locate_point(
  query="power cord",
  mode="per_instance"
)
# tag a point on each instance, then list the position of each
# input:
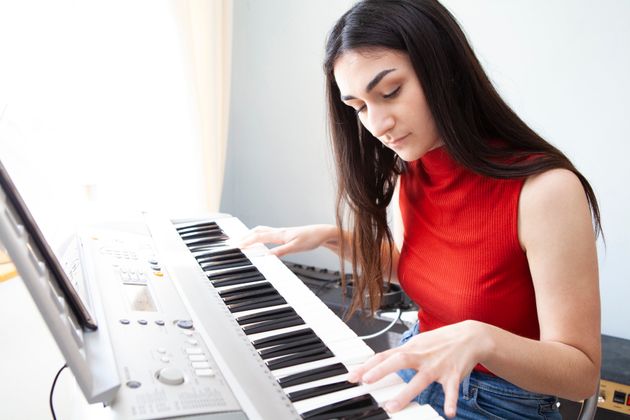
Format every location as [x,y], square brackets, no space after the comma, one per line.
[387,328]
[52,390]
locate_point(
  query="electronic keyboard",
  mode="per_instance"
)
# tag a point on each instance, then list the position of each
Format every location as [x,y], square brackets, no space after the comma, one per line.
[286,354]
[201,329]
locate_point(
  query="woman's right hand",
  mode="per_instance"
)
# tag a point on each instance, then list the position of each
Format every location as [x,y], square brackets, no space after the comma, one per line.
[291,239]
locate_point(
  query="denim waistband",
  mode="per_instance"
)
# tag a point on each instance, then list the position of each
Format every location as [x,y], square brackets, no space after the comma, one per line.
[497,385]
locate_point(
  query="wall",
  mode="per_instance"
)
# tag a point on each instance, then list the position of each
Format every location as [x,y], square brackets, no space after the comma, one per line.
[562,65]
[279,167]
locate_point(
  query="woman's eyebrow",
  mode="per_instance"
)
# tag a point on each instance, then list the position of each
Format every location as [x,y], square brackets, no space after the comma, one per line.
[371,85]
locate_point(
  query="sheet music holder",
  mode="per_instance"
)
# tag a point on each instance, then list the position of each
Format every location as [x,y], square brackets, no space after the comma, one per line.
[41,247]
[84,344]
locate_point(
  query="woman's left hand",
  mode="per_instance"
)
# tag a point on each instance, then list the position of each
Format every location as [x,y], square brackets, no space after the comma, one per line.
[445,355]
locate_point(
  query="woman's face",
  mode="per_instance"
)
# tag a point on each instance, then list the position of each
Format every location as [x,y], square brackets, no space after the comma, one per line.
[382,87]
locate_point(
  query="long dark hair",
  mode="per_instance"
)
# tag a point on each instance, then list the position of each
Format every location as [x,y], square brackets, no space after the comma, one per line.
[469,115]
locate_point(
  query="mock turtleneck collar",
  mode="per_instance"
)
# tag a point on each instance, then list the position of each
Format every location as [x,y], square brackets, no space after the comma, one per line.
[438,160]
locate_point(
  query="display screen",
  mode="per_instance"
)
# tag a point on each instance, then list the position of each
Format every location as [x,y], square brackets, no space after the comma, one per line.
[139,298]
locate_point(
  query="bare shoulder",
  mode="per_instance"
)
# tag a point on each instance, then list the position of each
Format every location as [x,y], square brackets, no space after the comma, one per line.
[553,185]
[552,202]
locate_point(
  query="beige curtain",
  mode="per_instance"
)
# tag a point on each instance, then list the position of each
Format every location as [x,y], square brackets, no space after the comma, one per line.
[207,33]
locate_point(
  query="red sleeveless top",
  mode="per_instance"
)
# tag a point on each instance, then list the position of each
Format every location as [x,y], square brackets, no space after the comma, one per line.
[461,258]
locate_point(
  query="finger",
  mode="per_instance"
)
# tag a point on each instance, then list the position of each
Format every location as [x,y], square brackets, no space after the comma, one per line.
[244,241]
[417,384]
[451,394]
[251,236]
[252,233]
[392,363]
[283,250]
[271,236]
[357,373]
[247,240]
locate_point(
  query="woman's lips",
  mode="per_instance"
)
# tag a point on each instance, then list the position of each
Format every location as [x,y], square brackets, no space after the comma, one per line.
[397,142]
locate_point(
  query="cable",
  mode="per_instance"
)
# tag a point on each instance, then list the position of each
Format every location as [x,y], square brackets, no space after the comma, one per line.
[384,330]
[52,390]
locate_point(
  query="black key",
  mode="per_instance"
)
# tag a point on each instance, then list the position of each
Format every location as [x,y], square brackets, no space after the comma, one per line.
[312,375]
[319,390]
[236,271]
[236,297]
[250,296]
[222,254]
[288,348]
[238,280]
[244,271]
[223,258]
[283,338]
[211,265]
[198,226]
[247,288]
[213,252]
[257,303]
[319,353]
[209,256]
[223,265]
[205,241]
[200,234]
[264,315]
[219,244]
[275,324]
[351,407]
[204,247]
[198,237]
[372,414]
[294,350]
[183,228]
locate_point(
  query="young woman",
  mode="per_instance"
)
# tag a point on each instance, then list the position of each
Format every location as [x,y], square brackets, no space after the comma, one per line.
[496,227]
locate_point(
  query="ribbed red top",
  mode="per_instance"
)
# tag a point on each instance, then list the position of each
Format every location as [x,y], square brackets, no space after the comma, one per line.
[461,258]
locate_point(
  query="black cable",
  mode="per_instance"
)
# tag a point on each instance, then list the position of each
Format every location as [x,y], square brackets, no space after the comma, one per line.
[52,390]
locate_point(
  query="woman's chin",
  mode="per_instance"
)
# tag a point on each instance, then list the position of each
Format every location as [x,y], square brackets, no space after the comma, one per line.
[407,156]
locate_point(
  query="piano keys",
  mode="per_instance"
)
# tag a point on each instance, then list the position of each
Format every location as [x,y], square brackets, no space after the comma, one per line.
[305,347]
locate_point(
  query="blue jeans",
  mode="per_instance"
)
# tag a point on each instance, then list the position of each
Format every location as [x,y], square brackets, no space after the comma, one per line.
[483,396]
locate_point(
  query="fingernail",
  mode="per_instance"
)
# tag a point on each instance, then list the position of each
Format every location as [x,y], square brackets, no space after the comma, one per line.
[352,377]
[392,406]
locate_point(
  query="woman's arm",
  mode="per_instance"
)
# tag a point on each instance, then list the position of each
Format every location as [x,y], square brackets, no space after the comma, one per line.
[557,235]
[306,238]
[293,239]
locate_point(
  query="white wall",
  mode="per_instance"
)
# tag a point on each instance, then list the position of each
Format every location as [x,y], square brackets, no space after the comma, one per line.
[562,65]
[279,170]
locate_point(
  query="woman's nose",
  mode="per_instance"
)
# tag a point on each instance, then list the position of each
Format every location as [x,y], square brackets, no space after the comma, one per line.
[380,122]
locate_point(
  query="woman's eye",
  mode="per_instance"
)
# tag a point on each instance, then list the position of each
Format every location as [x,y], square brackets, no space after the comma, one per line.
[392,94]
[359,110]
